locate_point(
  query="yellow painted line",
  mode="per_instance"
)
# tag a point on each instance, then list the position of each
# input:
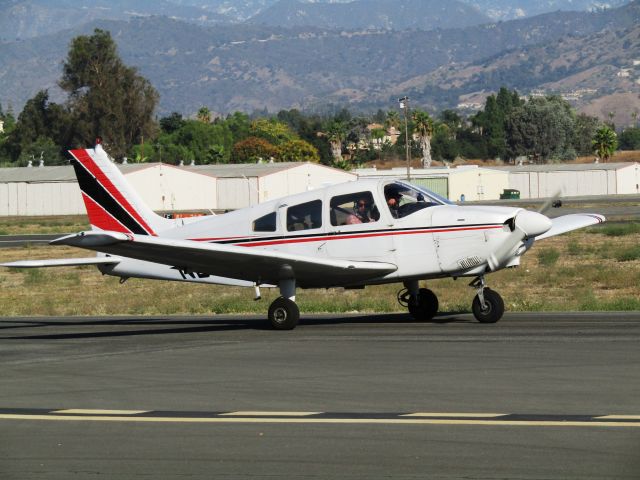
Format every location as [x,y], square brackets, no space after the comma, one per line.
[619,417]
[268,414]
[463,415]
[360,421]
[86,411]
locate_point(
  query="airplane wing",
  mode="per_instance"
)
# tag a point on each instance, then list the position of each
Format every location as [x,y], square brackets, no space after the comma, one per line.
[62,262]
[566,223]
[243,263]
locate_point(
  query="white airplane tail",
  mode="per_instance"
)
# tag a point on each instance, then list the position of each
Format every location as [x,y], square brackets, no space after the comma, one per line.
[110,201]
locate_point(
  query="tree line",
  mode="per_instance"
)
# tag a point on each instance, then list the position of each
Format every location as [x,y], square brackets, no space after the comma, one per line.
[107,99]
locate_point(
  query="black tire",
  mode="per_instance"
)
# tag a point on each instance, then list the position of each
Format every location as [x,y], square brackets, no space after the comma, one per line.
[494,307]
[427,305]
[284,314]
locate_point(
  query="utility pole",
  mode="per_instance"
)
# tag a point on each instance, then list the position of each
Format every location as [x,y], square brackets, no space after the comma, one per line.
[404,105]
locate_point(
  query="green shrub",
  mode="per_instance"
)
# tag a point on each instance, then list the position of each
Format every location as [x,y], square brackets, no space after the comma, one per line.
[548,256]
[628,254]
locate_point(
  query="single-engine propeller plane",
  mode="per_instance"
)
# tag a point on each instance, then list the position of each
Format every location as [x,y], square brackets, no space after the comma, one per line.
[349,235]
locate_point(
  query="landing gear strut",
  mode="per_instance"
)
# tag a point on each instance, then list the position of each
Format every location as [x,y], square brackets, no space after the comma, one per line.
[421,302]
[283,312]
[487,306]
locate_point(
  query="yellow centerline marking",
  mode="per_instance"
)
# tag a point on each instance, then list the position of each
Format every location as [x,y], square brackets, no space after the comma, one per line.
[463,415]
[87,411]
[360,421]
[619,417]
[268,414]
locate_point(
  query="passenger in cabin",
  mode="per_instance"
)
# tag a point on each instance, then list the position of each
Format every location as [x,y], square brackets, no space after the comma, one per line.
[362,212]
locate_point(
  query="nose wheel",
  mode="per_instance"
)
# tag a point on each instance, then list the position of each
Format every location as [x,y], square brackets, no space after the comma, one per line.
[487,306]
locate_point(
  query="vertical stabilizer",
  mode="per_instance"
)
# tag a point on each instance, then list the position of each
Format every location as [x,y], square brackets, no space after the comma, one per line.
[110,201]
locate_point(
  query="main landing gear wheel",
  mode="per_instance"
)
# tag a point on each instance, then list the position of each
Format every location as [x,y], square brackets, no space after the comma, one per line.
[426,306]
[284,314]
[493,308]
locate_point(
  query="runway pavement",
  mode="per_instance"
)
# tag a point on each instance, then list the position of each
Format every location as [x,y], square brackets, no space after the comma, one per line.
[342,396]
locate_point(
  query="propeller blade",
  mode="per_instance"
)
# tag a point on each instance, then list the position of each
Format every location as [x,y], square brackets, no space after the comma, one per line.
[526,224]
[550,201]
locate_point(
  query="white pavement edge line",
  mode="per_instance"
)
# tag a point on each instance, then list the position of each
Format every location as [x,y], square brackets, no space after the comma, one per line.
[361,421]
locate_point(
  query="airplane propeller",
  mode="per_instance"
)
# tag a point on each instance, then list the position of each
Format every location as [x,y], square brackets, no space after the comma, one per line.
[526,224]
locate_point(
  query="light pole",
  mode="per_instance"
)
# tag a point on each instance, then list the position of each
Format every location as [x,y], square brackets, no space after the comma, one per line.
[404,105]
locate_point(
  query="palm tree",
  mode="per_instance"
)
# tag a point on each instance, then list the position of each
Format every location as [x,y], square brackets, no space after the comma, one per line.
[605,143]
[336,133]
[204,115]
[423,126]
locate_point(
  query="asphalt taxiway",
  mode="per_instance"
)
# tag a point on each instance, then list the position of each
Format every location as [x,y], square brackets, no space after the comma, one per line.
[342,396]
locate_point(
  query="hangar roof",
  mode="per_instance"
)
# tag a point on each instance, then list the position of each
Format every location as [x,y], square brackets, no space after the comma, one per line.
[65,173]
[572,167]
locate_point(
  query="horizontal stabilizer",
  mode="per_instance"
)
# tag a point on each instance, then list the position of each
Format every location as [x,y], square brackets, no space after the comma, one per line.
[62,262]
[231,261]
[566,223]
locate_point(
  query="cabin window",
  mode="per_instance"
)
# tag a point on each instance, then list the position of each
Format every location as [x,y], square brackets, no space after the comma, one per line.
[266,223]
[304,216]
[353,209]
[404,199]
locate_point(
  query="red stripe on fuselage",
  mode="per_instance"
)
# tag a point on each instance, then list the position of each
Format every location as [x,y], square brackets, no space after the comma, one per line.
[328,237]
[100,218]
[359,235]
[85,159]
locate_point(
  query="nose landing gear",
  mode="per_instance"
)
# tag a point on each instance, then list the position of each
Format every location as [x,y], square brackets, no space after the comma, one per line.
[487,306]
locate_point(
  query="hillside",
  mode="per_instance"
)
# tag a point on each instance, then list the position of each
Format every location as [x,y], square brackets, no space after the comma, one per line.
[249,67]
[21,19]
[582,67]
[372,14]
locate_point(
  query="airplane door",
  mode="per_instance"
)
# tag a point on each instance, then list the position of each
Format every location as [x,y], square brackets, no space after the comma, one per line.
[357,230]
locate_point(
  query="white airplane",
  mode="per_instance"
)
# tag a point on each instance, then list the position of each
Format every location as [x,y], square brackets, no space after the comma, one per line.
[349,235]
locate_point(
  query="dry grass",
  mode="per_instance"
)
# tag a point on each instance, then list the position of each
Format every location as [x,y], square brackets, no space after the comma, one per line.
[590,273]
[43,225]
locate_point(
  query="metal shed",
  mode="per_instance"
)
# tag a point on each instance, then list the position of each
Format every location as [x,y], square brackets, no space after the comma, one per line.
[468,182]
[540,181]
[54,190]
[242,185]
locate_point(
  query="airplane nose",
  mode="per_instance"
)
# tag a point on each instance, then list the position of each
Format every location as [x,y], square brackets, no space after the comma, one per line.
[532,223]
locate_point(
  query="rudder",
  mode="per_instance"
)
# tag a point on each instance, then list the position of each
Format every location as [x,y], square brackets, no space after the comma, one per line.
[110,201]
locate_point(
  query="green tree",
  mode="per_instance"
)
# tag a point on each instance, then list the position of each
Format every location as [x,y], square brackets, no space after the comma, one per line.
[273,131]
[172,123]
[41,122]
[585,130]
[630,139]
[252,149]
[297,151]
[423,127]
[605,143]
[542,128]
[201,142]
[106,98]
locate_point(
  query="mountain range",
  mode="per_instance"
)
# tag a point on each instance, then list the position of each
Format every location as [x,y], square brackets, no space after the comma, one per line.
[250,67]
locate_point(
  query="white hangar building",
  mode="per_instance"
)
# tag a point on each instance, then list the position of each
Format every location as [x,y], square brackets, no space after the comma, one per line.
[541,181]
[54,190]
[467,182]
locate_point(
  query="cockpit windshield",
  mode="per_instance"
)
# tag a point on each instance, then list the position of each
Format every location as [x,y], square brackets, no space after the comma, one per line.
[403,198]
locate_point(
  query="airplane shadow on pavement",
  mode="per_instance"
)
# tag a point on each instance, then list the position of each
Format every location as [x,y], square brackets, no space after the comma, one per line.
[103,327]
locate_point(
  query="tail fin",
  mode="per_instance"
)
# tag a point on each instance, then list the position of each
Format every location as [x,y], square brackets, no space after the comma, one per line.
[110,201]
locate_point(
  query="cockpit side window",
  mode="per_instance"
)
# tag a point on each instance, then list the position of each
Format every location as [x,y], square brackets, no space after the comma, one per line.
[353,208]
[404,199]
[267,223]
[304,216]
